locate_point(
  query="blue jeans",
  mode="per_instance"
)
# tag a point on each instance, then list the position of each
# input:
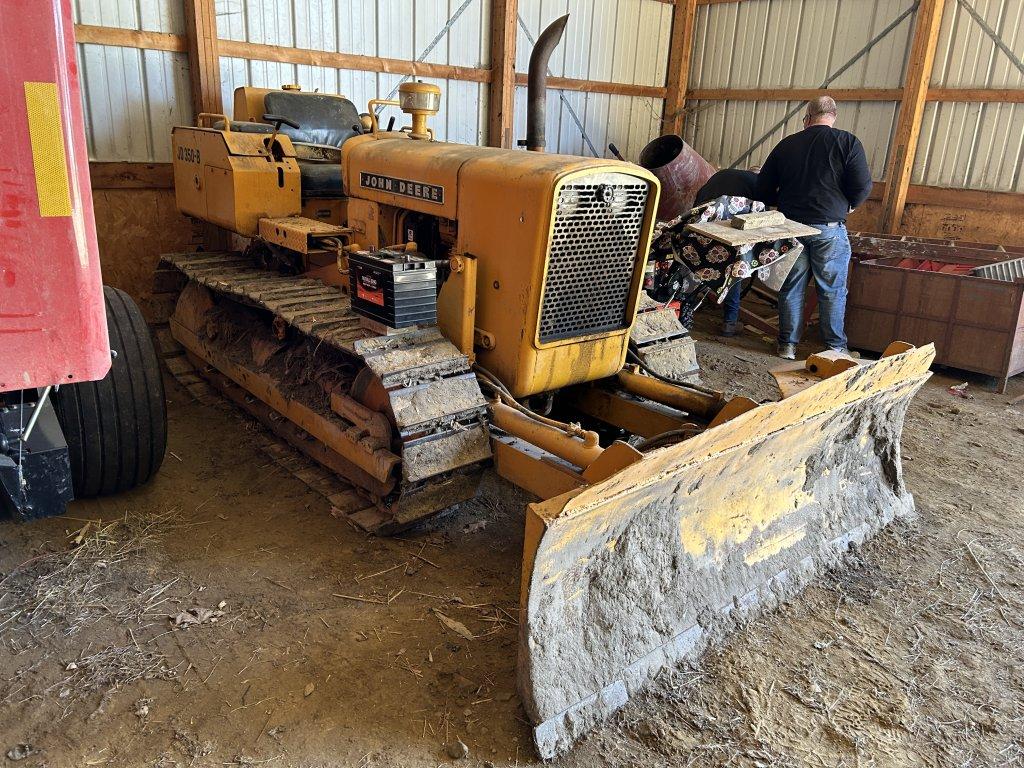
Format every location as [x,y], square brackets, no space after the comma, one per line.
[731,304]
[826,256]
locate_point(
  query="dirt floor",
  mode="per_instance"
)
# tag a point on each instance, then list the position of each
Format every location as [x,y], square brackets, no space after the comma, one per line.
[222,616]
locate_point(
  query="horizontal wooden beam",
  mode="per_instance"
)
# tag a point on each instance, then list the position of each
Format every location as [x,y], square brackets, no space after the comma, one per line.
[951,197]
[975,95]
[794,94]
[336,60]
[162,41]
[130,38]
[972,199]
[131,175]
[595,86]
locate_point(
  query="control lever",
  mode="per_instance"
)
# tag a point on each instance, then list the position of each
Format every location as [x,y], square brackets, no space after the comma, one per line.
[278,121]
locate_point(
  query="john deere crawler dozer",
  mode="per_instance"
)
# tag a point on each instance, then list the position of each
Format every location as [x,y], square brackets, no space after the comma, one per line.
[407,311]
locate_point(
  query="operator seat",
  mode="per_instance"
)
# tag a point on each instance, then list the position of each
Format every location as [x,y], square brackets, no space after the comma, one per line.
[323,120]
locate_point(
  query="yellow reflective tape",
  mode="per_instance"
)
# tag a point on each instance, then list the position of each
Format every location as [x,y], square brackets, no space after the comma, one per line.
[46,130]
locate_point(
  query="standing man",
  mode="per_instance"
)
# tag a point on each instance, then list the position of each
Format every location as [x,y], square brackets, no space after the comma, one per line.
[735,183]
[817,176]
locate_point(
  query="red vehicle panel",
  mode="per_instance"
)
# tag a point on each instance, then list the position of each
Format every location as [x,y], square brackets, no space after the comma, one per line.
[53,327]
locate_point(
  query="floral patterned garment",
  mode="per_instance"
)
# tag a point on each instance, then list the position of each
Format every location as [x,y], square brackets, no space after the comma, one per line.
[715,265]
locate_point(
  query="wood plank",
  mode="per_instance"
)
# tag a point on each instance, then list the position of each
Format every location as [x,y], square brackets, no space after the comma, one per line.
[723,232]
[974,199]
[203,55]
[756,219]
[501,105]
[130,38]
[762,324]
[951,197]
[971,95]
[314,58]
[794,94]
[131,175]
[133,227]
[599,86]
[677,77]
[977,95]
[908,127]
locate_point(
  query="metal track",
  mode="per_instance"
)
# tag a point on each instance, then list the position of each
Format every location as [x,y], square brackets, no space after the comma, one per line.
[438,413]
[345,499]
[662,343]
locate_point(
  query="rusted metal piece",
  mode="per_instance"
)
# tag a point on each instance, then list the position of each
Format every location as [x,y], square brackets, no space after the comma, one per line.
[680,170]
[924,292]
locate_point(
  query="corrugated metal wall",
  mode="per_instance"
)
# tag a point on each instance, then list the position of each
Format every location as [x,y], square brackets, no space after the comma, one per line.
[980,146]
[132,97]
[399,29]
[792,44]
[622,41]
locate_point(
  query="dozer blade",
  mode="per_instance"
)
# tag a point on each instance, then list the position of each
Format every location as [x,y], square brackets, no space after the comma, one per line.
[654,564]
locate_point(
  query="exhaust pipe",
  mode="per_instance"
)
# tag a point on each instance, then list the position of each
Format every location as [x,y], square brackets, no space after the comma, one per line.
[537,83]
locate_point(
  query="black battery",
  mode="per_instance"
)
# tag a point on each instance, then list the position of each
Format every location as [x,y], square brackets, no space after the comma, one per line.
[394,288]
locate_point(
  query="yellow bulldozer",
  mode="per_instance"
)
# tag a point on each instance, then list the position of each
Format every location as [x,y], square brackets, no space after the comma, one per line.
[408,311]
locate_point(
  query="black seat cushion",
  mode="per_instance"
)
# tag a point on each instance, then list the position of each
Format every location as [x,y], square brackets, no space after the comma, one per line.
[322,119]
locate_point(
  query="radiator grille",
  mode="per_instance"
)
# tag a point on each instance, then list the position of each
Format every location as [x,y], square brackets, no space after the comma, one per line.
[593,255]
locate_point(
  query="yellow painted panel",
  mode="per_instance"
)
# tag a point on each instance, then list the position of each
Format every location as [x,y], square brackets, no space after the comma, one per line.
[49,160]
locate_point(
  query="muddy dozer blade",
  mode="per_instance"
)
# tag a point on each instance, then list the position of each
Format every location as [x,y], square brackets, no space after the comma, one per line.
[649,567]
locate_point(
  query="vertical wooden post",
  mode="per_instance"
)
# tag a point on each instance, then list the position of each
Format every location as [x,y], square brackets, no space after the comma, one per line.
[908,128]
[501,105]
[204,71]
[680,53]
[203,57]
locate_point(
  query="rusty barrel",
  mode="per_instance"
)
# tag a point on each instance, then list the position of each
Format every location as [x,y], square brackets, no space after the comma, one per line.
[680,170]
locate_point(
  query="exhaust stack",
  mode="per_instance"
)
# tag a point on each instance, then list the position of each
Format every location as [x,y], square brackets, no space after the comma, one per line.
[537,83]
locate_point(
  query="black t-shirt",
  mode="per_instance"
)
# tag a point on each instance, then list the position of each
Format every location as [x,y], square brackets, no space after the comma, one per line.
[816,176]
[728,181]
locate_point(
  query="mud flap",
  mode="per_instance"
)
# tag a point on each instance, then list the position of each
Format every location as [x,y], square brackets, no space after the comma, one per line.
[656,563]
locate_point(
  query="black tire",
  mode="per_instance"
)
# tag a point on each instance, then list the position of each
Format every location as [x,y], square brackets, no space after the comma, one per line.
[116,428]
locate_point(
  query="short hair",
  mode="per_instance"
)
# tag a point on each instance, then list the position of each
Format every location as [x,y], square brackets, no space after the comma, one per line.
[822,105]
